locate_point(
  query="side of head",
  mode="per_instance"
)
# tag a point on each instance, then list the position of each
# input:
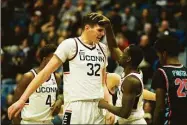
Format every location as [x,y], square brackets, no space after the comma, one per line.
[92,28]
[46,52]
[167,46]
[132,56]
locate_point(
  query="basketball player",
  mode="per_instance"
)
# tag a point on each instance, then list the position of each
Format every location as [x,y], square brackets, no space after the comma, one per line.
[129,102]
[129,105]
[38,108]
[113,81]
[84,61]
[170,83]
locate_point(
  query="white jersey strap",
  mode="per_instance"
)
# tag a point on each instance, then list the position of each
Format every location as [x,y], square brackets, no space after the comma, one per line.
[34,72]
[137,76]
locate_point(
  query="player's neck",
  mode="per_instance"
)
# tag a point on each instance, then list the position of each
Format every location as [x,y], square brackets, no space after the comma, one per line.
[172,60]
[42,65]
[129,70]
[84,38]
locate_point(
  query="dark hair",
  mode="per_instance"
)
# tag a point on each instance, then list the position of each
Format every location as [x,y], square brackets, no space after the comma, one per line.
[169,44]
[88,20]
[136,54]
[47,50]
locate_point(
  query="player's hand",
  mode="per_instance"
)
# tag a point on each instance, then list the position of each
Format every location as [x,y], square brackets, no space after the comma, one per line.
[56,107]
[104,20]
[15,109]
[102,104]
[101,19]
[110,118]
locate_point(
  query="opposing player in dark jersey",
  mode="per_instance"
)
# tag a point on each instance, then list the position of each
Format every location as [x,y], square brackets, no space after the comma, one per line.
[44,103]
[170,83]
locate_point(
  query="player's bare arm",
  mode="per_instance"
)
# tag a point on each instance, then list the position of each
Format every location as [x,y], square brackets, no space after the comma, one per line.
[112,44]
[42,76]
[131,88]
[60,98]
[148,95]
[109,35]
[60,91]
[21,86]
[159,109]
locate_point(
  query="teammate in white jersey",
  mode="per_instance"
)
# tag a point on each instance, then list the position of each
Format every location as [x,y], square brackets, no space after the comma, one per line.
[132,87]
[129,105]
[42,105]
[83,78]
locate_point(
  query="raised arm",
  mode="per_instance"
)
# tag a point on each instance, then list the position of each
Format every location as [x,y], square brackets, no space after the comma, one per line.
[42,76]
[113,47]
[112,44]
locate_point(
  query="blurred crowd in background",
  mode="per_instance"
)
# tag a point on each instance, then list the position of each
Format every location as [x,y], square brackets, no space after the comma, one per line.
[28,25]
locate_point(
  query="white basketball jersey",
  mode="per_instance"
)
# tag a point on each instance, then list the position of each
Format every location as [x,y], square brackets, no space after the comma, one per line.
[83,73]
[38,106]
[137,111]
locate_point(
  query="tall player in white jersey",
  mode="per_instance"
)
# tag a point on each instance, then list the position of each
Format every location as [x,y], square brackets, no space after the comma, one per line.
[83,78]
[42,104]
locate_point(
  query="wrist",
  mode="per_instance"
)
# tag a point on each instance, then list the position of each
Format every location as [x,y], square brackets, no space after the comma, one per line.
[22,99]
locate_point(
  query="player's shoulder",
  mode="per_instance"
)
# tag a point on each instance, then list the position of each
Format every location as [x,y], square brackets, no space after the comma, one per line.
[113,75]
[71,40]
[28,75]
[68,41]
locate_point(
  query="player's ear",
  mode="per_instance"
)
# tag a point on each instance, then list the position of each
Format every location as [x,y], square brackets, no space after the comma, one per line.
[44,58]
[87,27]
[128,59]
[164,54]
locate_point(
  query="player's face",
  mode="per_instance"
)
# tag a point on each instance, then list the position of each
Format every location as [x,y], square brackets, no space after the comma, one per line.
[125,58]
[96,33]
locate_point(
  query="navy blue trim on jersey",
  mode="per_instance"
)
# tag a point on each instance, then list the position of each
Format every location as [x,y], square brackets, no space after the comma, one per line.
[76,50]
[66,66]
[102,51]
[85,45]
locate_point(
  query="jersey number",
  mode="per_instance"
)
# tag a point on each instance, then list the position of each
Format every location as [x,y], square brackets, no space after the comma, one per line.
[93,69]
[48,101]
[182,85]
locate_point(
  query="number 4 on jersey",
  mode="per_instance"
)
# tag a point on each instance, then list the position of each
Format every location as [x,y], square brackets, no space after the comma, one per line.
[48,101]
